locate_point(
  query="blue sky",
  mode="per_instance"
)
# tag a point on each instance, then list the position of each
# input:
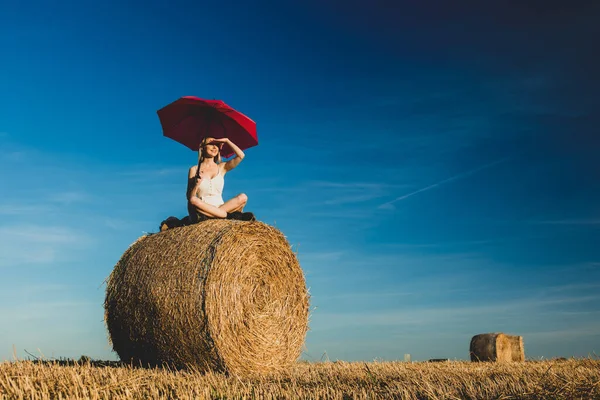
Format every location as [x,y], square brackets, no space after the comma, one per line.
[435,166]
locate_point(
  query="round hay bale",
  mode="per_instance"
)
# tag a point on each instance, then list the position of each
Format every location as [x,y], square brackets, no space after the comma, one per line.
[221,295]
[490,347]
[517,347]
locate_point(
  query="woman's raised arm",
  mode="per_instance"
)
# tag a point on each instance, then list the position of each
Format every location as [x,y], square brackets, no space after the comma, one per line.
[239,154]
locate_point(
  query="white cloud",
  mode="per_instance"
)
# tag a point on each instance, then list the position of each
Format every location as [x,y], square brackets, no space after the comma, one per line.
[41,290]
[588,328]
[443,182]
[334,193]
[22,209]
[573,287]
[69,197]
[366,295]
[116,224]
[151,172]
[52,204]
[13,156]
[387,206]
[36,244]
[581,221]
[326,256]
[517,310]
[43,310]
[347,199]
[42,234]
[373,186]
[340,214]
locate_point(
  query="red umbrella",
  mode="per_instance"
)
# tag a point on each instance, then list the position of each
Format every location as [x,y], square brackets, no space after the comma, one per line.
[190,119]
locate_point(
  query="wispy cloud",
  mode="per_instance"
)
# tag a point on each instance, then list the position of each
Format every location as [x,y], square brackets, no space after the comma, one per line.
[389,204]
[53,204]
[13,156]
[591,266]
[36,244]
[337,193]
[588,328]
[115,223]
[574,287]
[326,256]
[151,172]
[583,221]
[21,209]
[365,295]
[69,197]
[42,310]
[355,185]
[42,234]
[447,244]
[33,289]
[317,194]
[348,199]
[340,214]
[434,316]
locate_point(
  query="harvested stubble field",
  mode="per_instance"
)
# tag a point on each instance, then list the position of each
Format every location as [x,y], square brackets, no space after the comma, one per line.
[571,379]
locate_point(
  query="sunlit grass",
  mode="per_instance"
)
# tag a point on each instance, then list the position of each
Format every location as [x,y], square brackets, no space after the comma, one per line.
[570,379]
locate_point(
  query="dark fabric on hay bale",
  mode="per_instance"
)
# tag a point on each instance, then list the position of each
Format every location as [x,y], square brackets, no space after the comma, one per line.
[490,347]
[222,295]
[517,348]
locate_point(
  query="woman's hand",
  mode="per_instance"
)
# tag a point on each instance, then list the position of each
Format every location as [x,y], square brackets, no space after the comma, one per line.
[219,140]
[239,154]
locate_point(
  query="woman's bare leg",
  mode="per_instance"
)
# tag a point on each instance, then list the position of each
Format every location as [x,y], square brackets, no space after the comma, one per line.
[207,209]
[235,204]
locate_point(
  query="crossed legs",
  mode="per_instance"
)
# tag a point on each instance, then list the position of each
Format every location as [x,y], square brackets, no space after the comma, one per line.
[235,204]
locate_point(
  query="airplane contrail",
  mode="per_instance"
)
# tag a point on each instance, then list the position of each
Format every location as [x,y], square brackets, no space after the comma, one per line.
[452,178]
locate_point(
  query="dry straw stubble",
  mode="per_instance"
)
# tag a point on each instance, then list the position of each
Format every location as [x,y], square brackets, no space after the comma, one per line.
[568,379]
[221,295]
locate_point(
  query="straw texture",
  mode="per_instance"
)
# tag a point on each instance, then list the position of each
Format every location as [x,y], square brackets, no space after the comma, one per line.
[490,347]
[517,347]
[221,295]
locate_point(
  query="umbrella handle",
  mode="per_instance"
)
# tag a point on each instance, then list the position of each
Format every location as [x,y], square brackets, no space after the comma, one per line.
[209,120]
[200,158]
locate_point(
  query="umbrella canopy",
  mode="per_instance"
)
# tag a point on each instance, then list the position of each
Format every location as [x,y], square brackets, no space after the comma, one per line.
[190,119]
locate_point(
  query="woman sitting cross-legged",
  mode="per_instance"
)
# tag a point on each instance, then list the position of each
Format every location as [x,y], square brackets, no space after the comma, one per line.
[206,181]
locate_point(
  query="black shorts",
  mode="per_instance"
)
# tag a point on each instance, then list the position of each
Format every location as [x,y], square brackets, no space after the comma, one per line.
[196,216]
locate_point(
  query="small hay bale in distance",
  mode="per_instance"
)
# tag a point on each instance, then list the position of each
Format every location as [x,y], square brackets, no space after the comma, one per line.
[517,348]
[221,295]
[490,347]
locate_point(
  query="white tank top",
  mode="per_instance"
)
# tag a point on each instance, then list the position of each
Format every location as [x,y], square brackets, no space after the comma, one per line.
[210,190]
